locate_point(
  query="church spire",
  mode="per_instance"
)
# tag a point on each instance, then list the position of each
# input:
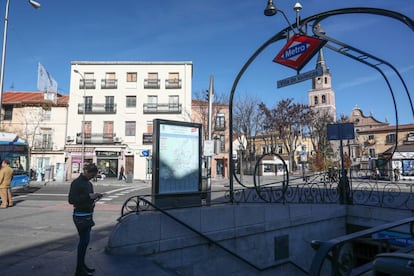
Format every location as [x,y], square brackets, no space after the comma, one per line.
[321,63]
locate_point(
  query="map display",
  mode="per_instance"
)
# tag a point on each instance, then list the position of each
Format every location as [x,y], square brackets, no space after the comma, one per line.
[179,159]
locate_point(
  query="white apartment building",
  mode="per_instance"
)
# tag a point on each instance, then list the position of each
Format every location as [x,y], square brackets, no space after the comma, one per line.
[117,102]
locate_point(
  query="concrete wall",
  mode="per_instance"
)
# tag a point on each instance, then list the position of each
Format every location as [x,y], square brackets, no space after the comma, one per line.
[248,230]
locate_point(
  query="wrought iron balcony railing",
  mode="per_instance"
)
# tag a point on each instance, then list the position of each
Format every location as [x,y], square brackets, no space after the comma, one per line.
[150,108]
[220,127]
[97,138]
[87,84]
[147,138]
[173,84]
[109,83]
[152,83]
[43,146]
[97,108]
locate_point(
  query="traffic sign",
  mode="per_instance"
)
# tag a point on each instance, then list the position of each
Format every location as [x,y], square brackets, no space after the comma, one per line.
[300,77]
[298,51]
[208,148]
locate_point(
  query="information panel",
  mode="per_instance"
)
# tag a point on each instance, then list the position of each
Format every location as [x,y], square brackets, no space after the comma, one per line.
[177,157]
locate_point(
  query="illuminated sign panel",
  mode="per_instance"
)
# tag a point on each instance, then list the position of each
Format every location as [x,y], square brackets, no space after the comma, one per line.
[176,158]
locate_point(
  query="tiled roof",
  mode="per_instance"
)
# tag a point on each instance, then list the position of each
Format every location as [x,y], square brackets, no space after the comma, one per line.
[28,97]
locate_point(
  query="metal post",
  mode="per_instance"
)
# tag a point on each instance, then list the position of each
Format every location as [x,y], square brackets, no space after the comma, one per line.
[3,55]
[83,120]
[210,113]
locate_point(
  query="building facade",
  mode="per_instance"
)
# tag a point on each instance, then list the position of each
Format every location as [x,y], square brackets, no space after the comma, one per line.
[112,107]
[39,118]
[220,134]
[375,142]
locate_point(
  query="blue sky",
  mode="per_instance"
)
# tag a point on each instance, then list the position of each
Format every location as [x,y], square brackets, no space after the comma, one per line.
[218,36]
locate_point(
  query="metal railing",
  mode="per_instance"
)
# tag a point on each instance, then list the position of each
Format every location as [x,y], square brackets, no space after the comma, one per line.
[137,204]
[340,257]
[97,108]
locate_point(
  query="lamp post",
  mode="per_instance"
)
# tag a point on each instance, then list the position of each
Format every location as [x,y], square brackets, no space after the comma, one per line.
[83,119]
[35,5]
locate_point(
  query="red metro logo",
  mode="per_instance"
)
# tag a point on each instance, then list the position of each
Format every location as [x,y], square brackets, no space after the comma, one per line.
[298,51]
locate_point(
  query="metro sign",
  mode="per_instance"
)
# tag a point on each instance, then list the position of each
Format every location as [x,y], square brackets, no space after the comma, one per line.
[298,51]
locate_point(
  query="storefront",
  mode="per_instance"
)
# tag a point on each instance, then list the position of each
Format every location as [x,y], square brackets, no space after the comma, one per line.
[107,159]
[73,160]
[107,162]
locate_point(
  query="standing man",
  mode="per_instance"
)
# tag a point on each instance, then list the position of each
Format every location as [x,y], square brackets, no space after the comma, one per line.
[6,175]
[83,198]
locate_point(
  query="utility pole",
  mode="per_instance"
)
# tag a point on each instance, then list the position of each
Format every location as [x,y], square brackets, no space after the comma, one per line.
[210,99]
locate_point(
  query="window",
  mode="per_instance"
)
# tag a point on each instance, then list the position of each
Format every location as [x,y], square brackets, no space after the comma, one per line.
[89,76]
[152,81]
[109,103]
[88,103]
[108,129]
[131,101]
[110,76]
[173,81]
[222,139]
[371,137]
[88,82]
[130,127]
[131,77]
[46,139]
[326,80]
[323,99]
[149,126]
[110,81]
[173,103]
[87,129]
[152,102]
[372,152]
[220,122]
[280,149]
[8,112]
[47,113]
[390,139]
[315,99]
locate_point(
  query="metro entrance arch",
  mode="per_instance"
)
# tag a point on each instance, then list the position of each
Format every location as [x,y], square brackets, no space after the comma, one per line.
[301,26]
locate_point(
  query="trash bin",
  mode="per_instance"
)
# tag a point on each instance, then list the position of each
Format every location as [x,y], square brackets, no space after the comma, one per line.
[129,177]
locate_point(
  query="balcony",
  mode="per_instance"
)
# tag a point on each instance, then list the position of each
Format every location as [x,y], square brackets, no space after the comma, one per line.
[150,108]
[173,84]
[97,108]
[220,127]
[42,146]
[147,138]
[87,84]
[152,83]
[109,83]
[98,138]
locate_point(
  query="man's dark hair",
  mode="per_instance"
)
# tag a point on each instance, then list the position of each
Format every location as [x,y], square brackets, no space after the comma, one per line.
[6,161]
[91,168]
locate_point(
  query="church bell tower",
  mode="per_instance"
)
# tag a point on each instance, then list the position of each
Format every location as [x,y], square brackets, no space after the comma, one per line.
[322,96]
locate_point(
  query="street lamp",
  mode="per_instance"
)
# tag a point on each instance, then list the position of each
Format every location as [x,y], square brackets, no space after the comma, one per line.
[35,5]
[83,119]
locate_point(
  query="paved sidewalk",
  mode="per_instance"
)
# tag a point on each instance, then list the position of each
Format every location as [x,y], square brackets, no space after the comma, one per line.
[39,238]
[58,257]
